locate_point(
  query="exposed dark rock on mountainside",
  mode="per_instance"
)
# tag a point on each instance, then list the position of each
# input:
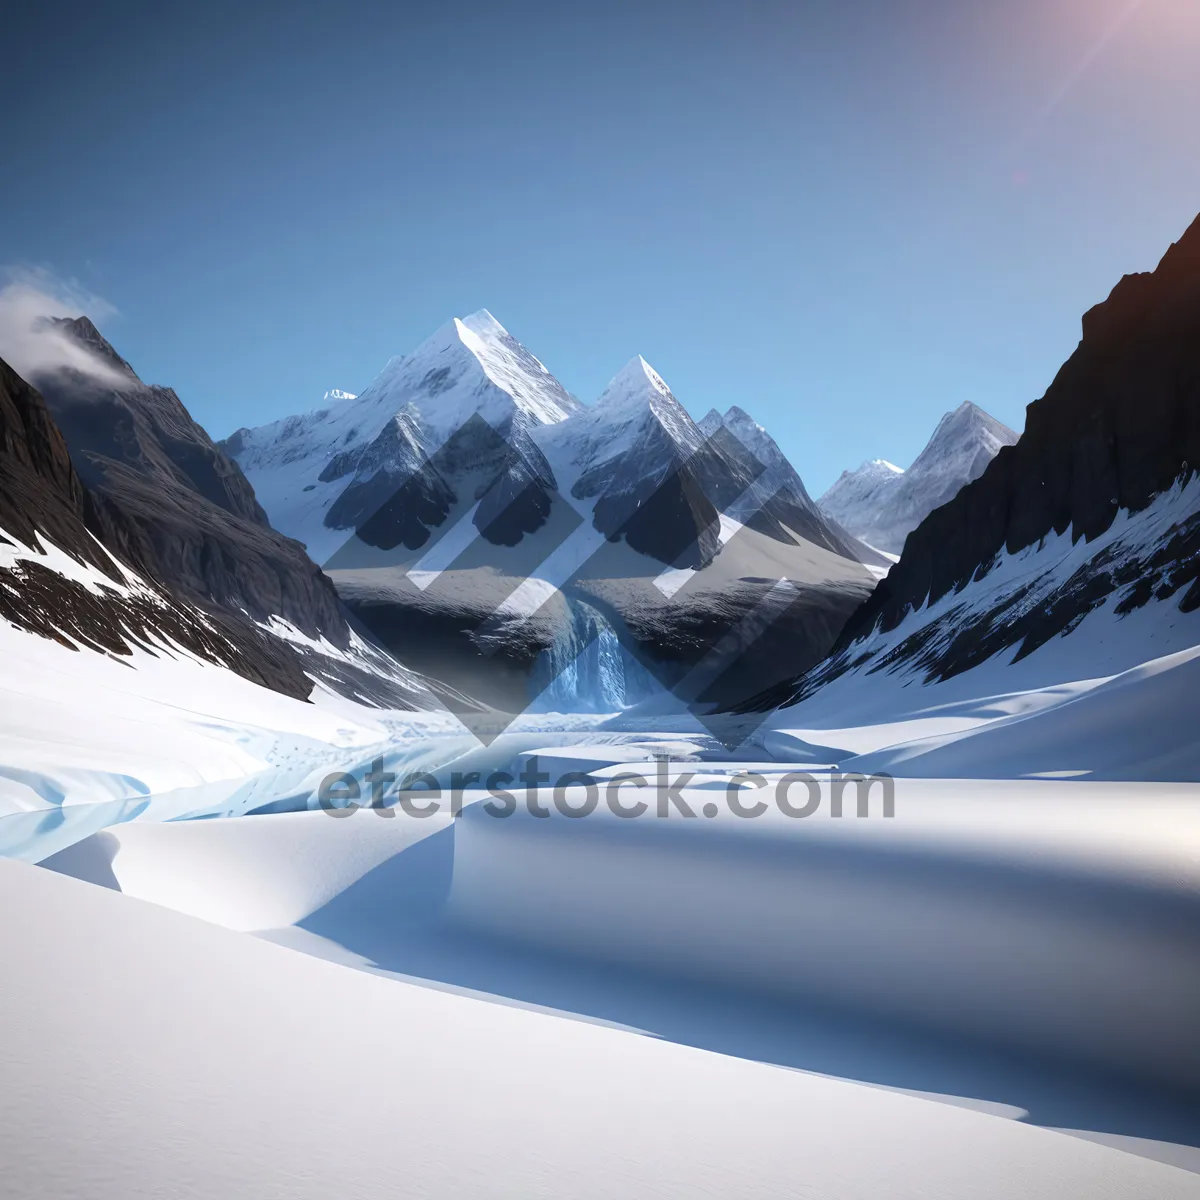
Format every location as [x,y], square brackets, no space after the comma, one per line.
[123,461]
[39,489]
[1119,424]
[182,508]
[1118,428]
[42,503]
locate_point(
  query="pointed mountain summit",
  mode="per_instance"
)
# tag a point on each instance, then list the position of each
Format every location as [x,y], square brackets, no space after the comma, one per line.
[636,430]
[881,504]
[962,445]
[84,333]
[466,506]
[471,369]
[637,386]
[753,436]
[773,498]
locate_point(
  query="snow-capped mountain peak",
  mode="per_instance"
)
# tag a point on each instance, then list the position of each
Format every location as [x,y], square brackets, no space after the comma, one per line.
[735,415]
[635,429]
[882,504]
[638,389]
[965,441]
[471,367]
[484,325]
[874,471]
[633,378]
[508,365]
[754,437]
[323,476]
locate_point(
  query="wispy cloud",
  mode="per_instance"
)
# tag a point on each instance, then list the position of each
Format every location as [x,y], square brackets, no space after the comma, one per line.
[30,343]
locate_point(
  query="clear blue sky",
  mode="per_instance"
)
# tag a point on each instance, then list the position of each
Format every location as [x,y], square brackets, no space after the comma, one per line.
[846,217]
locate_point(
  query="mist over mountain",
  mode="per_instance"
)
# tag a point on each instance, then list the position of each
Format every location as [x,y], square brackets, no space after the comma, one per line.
[70,568]
[168,503]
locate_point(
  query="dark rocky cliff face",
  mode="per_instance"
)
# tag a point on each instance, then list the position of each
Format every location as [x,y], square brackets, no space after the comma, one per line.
[40,492]
[43,502]
[1118,428]
[1119,424]
[175,505]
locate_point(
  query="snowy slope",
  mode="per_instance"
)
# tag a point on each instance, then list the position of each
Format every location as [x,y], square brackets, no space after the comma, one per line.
[80,568]
[1011,874]
[860,498]
[93,737]
[612,434]
[166,500]
[1051,605]
[263,1068]
[881,504]
[89,739]
[1069,657]
[1136,725]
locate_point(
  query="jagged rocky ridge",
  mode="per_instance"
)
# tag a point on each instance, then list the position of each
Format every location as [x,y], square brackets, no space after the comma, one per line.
[777,503]
[1096,505]
[173,507]
[45,507]
[190,516]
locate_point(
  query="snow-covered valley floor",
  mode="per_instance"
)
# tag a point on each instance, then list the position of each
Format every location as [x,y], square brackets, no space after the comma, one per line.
[1024,951]
[160,1055]
[239,994]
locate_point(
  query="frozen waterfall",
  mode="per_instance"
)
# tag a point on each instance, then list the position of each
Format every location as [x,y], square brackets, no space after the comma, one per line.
[587,669]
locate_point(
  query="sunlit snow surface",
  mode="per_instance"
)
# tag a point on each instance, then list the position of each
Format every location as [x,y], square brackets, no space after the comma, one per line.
[1020,949]
[1112,698]
[984,947]
[188,1060]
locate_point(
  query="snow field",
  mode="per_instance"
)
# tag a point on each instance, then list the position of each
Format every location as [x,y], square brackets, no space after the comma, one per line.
[161,1055]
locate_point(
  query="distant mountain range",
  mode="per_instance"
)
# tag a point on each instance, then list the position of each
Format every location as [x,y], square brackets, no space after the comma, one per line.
[489,542]
[492,530]
[882,504]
